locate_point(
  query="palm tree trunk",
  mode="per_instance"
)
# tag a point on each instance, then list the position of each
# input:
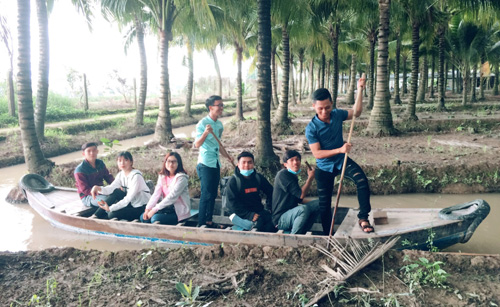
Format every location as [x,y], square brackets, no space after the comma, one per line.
[433,68]
[441,70]
[322,71]
[85,94]
[10,91]
[415,38]
[334,37]
[482,80]
[43,69]
[453,79]
[301,69]
[397,97]
[239,80]
[371,72]
[473,84]
[381,117]
[328,83]
[352,82]
[217,69]
[33,154]
[143,87]
[423,82]
[190,84]
[292,81]
[274,80]
[405,79]
[311,77]
[495,85]
[163,129]
[282,112]
[465,80]
[264,146]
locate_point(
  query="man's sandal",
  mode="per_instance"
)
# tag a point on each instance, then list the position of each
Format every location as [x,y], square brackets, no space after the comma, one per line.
[365,226]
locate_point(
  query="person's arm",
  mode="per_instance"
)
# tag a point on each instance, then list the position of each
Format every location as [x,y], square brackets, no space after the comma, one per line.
[175,191]
[202,135]
[156,194]
[82,183]
[116,184]
[319,153]
[357,108]
[133,189]
[107,176]
[307,185]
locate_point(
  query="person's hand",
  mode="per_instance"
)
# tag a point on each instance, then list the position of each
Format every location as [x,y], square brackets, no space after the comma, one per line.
[310,173]
[95,190]
[103,205]
[255,217]
[362,81]
[208,129]
[346,148]
[149,214]
[145,214]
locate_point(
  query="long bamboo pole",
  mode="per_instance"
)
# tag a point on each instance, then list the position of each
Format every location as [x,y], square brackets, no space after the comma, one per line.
[358,100]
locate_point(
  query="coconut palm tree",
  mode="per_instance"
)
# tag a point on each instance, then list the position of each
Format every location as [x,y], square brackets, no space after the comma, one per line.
[238,28]
[7,40]
[132,20]
[164,14]
[33,154]
[264,147]
[417,12]
[381,117]
[466,39]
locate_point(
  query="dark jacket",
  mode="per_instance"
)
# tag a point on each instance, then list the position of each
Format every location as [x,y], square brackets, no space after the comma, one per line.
[286,194]
[246,201]
[86,176]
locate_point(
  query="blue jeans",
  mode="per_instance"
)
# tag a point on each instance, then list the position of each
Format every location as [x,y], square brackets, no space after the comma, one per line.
[90,202]
[299,219]
[325,181]
[241,224]
[209,184]
[164,218]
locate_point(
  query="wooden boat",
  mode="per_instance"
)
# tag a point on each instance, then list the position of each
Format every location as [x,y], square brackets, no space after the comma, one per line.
[63,208]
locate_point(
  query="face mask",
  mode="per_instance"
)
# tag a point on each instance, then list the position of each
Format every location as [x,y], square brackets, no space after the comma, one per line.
[245,172]
[295,173]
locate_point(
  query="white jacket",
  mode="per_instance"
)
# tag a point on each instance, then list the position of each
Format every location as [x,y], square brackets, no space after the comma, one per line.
[137,191]
[178,196]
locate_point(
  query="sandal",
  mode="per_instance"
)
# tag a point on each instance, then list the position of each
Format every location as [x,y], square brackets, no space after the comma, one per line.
[365,226]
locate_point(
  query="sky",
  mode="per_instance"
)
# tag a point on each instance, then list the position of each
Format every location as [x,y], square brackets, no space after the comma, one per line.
[98,53]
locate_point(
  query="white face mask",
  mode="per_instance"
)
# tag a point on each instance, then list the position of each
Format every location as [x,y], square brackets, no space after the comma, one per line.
[246,172]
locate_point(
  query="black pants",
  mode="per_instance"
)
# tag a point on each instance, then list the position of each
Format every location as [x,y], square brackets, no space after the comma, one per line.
[325,181]
[128,213]
[265,222]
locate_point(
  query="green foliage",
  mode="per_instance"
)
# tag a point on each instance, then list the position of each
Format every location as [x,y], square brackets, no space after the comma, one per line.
[109,144]
[423,272]
[430,241]
[189,294]
[297,294]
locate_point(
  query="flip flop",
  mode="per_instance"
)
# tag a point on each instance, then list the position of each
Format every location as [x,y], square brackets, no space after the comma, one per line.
[366,226]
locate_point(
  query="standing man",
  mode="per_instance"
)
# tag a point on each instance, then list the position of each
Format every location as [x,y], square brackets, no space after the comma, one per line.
[243,196]
[208,167]
[287,195]
[324,135]
[89,173]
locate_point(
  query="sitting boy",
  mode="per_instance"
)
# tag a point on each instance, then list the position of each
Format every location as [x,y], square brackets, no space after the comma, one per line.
[243,196]
[89,173]
[287,194]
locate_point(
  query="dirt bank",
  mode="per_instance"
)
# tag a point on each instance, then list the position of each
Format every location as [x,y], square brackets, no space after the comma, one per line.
[240,276]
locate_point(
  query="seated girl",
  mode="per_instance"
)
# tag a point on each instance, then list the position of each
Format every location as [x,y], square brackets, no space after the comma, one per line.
[127,195]
[172,186]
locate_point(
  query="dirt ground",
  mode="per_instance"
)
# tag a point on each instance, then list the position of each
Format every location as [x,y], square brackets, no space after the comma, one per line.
[455,151]
[239,276]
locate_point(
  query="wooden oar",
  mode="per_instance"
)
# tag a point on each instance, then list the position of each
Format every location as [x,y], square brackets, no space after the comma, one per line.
[360,92]
[222,146]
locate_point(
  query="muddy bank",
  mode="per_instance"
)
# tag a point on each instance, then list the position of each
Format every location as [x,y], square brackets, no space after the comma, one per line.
[240,276]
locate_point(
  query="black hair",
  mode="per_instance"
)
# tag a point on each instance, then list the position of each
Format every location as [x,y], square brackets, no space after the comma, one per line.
[88,144]
[245,154]
[126,155]
[211,100]
[290,154]
[321,94]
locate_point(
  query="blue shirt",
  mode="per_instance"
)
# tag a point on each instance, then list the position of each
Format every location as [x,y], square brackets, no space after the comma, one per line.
[209,150]
[329,136]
